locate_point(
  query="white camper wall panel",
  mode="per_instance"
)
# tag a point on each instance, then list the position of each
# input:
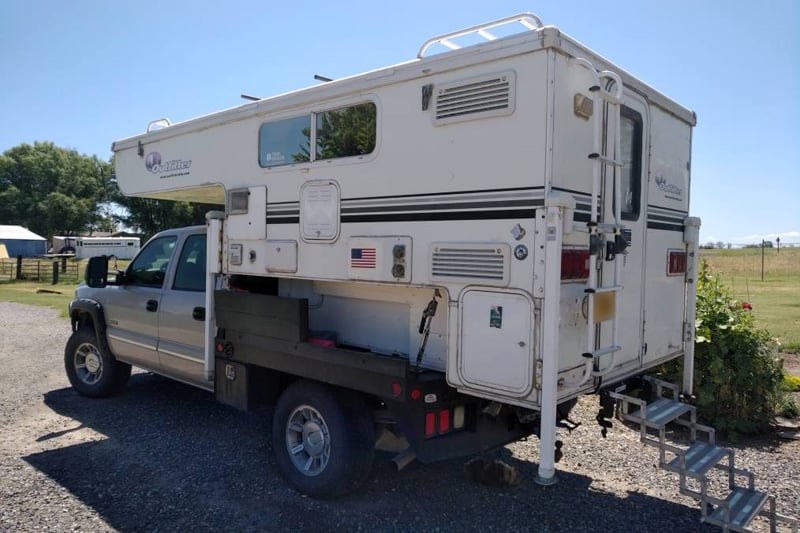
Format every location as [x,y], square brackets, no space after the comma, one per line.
[412,155]
[572,135]
[668,201]
[670,160]
[664,298]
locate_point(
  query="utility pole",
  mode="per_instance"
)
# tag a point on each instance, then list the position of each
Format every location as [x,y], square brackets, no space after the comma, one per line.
[762,259]
[778,242]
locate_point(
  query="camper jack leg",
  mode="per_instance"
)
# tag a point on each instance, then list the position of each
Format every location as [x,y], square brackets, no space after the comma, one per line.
[556,205]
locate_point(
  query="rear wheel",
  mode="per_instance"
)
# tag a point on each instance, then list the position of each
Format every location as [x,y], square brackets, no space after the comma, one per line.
[91,370]
[323,439]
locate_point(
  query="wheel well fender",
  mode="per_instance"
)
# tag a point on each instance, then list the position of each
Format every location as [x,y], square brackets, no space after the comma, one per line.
[89,313]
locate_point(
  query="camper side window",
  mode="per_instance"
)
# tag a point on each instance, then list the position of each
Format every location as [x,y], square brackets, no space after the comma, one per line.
[346,132]
[631,156]
[284,142]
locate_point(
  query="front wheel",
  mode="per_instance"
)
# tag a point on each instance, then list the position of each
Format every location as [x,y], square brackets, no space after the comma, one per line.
[323,439]
[91,370]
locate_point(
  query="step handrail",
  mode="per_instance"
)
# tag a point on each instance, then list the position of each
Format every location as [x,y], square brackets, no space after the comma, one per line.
[530,21]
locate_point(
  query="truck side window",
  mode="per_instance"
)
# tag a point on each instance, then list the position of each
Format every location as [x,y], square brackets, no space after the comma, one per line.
[631,156]
[191,273]
[150,266]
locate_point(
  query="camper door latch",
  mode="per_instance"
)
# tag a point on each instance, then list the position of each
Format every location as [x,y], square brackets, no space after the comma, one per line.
[617,246]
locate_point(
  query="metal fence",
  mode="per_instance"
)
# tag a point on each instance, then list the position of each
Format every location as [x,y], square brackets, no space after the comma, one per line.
[40,270]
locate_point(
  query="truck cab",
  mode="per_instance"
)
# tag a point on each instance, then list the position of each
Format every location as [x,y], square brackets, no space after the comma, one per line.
[150,316]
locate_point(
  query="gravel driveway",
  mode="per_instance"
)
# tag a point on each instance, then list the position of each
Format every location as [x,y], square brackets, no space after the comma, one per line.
[164,456]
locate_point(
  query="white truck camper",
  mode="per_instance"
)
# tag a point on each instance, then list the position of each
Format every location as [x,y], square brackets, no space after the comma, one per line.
[446,253]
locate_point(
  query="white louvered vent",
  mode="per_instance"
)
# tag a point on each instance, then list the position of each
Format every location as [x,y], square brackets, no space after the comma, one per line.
[485,96]
[486,264]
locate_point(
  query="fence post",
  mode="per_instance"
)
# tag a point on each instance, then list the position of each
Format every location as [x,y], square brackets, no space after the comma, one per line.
[19,267]
[55,272]
[64,264]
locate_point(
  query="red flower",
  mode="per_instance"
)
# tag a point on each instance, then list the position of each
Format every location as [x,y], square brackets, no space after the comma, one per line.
[746,305]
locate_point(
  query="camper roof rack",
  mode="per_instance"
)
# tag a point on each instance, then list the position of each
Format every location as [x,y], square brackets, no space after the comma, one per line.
[530,21]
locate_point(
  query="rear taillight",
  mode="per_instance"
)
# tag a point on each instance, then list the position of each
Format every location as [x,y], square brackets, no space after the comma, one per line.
[574,264]
[440,422]
[676,262]
[430,424]
[444,420]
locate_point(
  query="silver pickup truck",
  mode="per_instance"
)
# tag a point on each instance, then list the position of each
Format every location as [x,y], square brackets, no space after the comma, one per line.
[151,316]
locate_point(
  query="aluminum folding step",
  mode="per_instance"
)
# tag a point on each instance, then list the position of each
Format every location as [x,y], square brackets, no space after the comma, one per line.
[698,459]
[660,412]
[739,509]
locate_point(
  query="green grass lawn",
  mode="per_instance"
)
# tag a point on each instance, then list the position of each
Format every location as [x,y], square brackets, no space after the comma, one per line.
[776,300]
[25,292]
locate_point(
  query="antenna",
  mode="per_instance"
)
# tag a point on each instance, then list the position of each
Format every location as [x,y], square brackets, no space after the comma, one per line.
[248,97]
[322,78]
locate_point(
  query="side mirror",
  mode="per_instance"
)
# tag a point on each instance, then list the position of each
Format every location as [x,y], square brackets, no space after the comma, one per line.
[97,272]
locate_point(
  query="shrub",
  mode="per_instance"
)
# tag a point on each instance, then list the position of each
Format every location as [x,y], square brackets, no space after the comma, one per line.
[791,383]
[737,376]
[789,407]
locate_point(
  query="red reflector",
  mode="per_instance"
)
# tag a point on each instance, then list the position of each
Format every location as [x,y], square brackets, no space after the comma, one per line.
[574,264]
[444,421]
[416,394]
[676,262]
[430,424]
[397,390]
[220,347]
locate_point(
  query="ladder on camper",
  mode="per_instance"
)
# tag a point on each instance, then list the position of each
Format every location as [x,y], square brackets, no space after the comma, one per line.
[693,463]
[606,89]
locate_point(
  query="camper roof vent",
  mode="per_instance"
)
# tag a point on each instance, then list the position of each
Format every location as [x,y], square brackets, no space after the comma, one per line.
[484,96]
[472,263]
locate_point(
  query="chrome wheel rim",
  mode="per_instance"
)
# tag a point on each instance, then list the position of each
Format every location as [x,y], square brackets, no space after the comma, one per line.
[308,440]
[88,363]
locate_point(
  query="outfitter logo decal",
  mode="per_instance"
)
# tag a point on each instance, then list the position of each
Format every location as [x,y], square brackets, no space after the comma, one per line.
[670,190]
[177,167]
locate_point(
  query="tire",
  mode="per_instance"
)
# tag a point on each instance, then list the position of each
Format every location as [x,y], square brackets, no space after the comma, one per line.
[91,370]
[323,439]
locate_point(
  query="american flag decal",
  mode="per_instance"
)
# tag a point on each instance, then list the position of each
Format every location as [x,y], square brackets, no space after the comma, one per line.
[362,257]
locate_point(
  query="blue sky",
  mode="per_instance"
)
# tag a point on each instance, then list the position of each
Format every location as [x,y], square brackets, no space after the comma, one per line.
[85,73]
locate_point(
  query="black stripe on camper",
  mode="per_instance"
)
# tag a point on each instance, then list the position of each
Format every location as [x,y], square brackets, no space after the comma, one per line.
[500,204]
[665,227]
[494,214]
[658,218]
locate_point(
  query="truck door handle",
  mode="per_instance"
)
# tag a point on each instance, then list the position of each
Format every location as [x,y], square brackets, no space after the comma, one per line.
[152,305]
[199,313]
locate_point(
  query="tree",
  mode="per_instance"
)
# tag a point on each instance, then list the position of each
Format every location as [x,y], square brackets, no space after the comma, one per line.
[149,216]
[51,190]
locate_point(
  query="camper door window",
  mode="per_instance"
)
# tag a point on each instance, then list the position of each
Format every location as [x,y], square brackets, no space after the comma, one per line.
[631,156]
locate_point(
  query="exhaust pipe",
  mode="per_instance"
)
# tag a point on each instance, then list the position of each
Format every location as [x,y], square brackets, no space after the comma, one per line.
[403,459]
